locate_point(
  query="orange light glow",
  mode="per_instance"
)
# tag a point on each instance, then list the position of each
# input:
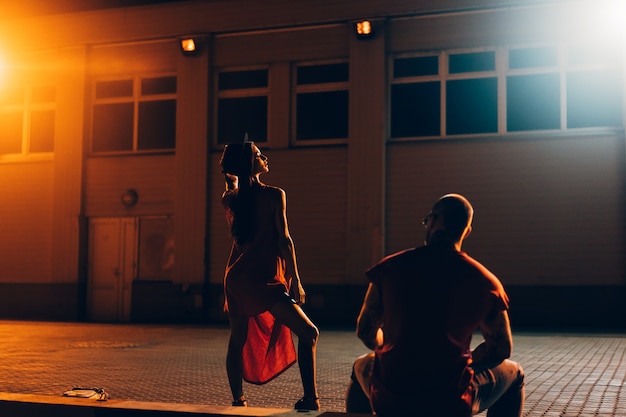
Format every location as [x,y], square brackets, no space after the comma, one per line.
[380,338]
[364,28]
[3,73]
[188,45]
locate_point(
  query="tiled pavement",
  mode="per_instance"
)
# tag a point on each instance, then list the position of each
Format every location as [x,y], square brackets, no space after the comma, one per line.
[567,375]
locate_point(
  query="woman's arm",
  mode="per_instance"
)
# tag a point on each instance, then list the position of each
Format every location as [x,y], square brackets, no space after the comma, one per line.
[286,249]
[231,181]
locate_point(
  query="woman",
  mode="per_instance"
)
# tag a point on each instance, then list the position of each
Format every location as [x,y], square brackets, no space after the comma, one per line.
[261,283]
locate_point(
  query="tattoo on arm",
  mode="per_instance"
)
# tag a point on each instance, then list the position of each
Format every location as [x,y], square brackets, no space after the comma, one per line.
[498,342]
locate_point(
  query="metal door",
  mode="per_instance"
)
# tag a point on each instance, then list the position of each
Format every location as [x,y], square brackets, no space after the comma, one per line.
[112,267]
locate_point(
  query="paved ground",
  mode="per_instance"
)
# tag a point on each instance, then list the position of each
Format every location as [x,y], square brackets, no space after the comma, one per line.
[567,375]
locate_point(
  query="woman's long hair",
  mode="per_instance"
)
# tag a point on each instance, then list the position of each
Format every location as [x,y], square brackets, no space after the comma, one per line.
[238,159]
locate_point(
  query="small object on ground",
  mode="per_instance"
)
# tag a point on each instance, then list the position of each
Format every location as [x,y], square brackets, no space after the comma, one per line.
[96,393]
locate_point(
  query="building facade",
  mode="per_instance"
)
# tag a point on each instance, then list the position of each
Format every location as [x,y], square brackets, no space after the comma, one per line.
[110,136]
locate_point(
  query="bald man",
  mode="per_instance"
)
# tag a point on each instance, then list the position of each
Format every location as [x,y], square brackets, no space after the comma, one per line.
[420,310]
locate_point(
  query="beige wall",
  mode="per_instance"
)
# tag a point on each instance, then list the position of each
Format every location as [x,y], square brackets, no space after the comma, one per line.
[26,210]
[106,179]
[549,211]
[549,207]
[315,182]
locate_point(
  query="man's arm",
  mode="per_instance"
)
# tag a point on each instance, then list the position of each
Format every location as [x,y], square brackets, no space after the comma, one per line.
[370,318]
[498,343]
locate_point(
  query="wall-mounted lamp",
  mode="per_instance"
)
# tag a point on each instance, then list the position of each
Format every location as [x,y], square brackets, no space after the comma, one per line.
[364,29]
[191,45]
[188,45]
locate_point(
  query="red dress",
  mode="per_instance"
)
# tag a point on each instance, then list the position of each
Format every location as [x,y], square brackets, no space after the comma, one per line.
[254,281]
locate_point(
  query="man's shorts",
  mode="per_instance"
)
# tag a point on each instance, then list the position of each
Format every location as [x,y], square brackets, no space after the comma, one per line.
[363,368]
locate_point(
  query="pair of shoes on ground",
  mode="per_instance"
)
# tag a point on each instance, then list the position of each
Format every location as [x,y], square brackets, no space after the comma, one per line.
[308,403]
[304,403]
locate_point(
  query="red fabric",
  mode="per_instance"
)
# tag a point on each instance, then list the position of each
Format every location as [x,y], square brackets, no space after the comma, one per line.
[254,281]
[269,349]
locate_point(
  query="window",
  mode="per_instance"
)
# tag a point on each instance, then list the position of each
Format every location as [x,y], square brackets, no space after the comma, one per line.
[472,97]
[242,105]
[415,109]
[593,98]
[594,87]
[27,118]
[533,57]
[321,98]
[318,106]
[533,98]
[416,97]
[472,62]
[472,106]
[416,66]
[533,102]
[444,94]
[134,115]
[504,90]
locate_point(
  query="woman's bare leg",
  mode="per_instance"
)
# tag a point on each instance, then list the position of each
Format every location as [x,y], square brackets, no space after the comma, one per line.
[292,316]
[234,356]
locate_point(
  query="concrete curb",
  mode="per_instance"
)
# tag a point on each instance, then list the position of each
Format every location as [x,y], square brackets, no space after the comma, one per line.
[28,405]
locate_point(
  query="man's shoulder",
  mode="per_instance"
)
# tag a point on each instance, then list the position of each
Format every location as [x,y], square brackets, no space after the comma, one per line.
[481,272]
[402,255]
[394,260]
[475,264]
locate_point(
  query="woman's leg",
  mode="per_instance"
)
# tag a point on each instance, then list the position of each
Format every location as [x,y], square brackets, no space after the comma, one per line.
[234,357]
[292,316]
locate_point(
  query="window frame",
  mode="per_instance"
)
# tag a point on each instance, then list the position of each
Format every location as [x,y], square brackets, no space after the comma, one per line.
[442,77]
[615,62]
[136,98]
[502,72]
[296,89]
[235,93]
[26,108]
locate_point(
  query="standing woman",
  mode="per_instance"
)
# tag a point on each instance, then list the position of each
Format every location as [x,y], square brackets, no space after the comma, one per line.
[261,282]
